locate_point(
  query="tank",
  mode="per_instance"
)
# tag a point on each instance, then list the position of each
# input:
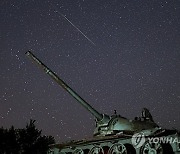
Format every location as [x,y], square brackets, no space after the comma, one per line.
[116,134]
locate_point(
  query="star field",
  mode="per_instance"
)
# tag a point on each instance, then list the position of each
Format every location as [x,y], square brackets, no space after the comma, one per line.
[132,62]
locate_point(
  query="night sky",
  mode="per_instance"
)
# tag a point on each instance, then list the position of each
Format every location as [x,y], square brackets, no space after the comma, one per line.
[117,54]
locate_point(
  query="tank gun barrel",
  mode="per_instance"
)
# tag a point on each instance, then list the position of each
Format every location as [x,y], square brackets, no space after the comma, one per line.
[65,86]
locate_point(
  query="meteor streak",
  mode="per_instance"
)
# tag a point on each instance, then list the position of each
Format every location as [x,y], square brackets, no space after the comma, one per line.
[77,29]
[74,26]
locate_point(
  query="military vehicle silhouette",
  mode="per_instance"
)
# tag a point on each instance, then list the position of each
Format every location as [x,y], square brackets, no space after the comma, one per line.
[116,134]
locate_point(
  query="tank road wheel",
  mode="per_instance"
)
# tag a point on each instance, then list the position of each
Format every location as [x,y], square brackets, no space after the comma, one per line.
[78,151]
[118,149]
[96,150]
[152,148]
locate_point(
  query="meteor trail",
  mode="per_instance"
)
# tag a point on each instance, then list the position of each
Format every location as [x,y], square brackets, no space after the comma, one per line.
[77,29]
[73,25]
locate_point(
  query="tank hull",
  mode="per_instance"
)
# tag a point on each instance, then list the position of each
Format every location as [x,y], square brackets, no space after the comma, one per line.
[164,143]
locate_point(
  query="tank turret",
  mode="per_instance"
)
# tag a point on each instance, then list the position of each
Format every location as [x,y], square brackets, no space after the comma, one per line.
[105,125]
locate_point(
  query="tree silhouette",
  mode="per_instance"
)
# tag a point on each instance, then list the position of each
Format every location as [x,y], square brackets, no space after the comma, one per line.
[24,141]
[8,141]
[2,140]
[11,141]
